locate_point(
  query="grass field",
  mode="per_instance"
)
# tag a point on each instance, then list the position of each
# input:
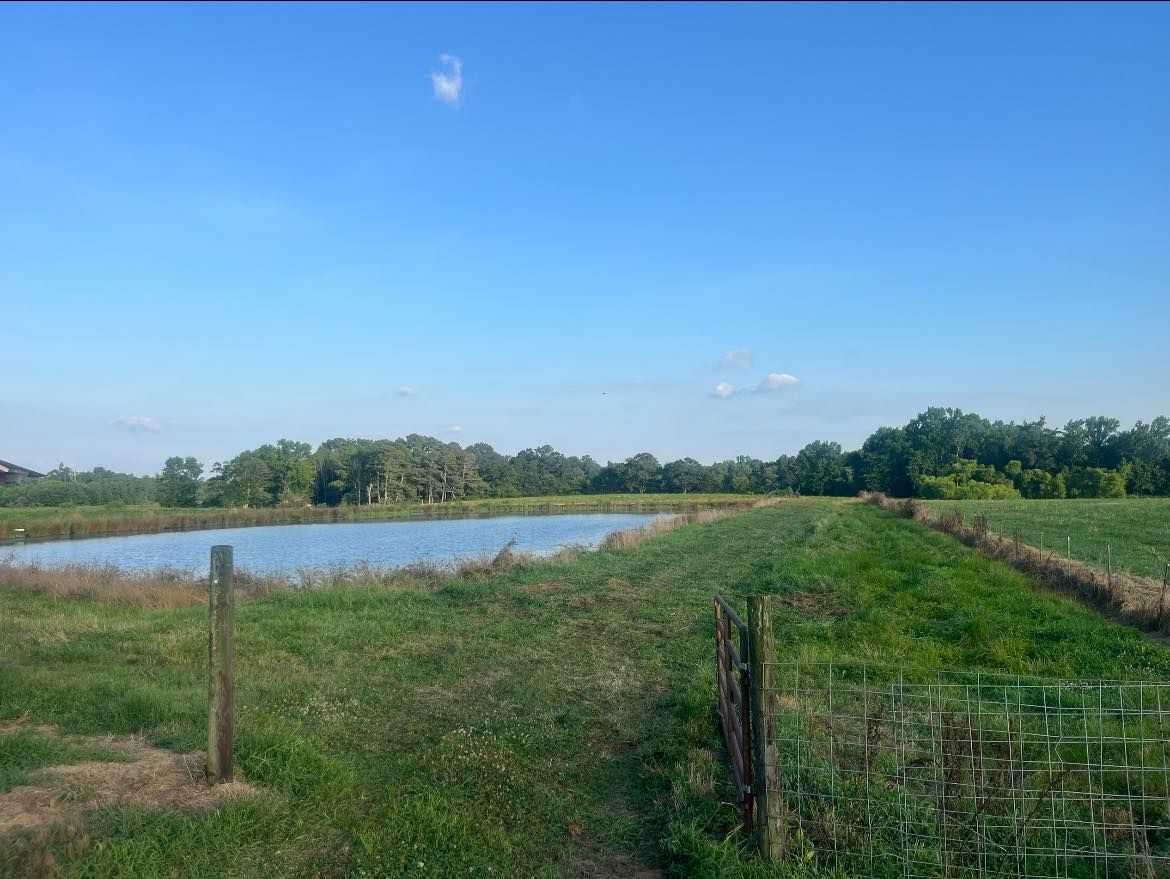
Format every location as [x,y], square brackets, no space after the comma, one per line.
[66,522]
[1137,528]
[554,720]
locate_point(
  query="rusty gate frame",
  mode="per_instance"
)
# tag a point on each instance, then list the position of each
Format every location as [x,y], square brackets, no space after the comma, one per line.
[734,677]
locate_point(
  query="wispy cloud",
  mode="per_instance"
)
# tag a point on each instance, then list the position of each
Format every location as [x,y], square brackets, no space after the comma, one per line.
[776,381]
[723,390]
[448,84]
[741,358]
[455,428]
[407,391]
[137,424]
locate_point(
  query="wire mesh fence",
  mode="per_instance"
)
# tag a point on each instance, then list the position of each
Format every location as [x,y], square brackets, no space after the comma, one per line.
[900,773]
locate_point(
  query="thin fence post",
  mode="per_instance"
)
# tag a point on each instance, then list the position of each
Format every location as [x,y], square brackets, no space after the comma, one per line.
[221,667]
[1068,557]
[769,797]
[1109,564]
[1162,598]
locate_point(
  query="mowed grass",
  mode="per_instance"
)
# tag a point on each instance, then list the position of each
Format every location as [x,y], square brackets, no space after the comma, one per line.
[556,720]
[1137,528]
[88,521]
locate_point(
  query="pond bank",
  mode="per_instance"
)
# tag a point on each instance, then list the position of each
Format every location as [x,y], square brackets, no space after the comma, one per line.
[64,523]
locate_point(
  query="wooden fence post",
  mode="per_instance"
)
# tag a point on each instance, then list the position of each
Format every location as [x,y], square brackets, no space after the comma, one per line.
[769,797]
[221,695]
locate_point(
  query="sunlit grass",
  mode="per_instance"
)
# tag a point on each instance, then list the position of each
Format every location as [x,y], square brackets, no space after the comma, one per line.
[553,719]
[1137,528]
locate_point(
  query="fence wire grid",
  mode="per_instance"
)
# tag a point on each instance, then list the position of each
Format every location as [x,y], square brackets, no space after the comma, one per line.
[899,773]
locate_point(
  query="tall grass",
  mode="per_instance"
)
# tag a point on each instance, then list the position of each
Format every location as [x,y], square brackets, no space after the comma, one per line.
[171,588]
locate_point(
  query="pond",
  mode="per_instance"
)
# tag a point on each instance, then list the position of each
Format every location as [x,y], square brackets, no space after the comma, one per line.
[285,549]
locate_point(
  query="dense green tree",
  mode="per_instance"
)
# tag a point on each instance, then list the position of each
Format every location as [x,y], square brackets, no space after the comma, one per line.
[941,452]
[178,483]
[885,462]
[684,475]
[642,473]
[821,469]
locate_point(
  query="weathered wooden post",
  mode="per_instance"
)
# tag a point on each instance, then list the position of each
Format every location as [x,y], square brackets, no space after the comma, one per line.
[221,694]
[1109,565]
[769,797]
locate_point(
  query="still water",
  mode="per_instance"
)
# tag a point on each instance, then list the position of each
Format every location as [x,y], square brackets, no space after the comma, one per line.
[284,549]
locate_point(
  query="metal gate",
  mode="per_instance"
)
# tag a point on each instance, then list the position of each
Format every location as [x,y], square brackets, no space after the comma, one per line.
[732,673]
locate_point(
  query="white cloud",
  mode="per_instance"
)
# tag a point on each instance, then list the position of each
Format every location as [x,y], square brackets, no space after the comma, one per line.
[449,85]
[407,391]
[137,424]
[455,428]
[777,381]
[723,390]
[738,359]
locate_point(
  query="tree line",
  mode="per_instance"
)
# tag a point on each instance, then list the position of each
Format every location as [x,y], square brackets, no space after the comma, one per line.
[941,453]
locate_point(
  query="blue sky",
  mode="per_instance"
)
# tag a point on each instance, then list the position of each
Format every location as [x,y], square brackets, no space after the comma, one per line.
[221,225]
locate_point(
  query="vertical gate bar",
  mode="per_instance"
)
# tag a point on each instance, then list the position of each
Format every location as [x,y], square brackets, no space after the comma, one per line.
[745,742]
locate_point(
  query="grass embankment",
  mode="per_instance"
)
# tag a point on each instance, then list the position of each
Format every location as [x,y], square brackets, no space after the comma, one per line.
[66,522]
[1137,528]
[557,719]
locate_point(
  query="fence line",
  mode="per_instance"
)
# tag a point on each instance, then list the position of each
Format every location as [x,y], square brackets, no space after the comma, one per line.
[1142,601]
[901,773]
[881,771]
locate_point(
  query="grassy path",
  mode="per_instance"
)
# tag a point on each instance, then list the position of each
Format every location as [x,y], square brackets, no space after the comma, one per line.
[554,721]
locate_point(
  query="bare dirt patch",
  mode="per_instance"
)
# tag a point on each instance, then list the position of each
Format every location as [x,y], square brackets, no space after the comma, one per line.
[155,777]
[21,724]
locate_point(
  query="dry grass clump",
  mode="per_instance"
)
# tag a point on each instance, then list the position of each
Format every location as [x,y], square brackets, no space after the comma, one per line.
[170,588]
[1140,601]
[420,575]
[664,524]
[106,583]
[487,565]
[146,776]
